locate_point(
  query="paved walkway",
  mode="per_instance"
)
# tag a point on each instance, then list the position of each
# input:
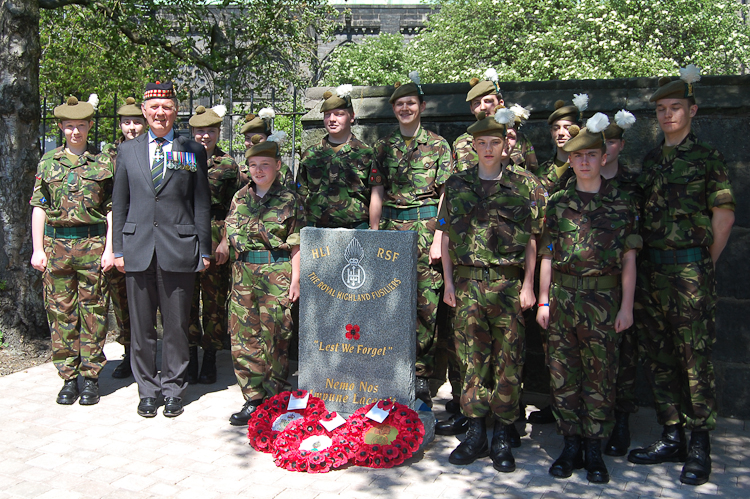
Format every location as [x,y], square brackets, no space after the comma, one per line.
[107,450]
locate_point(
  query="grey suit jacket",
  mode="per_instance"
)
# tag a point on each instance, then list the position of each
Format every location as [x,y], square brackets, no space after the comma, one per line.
[173,221]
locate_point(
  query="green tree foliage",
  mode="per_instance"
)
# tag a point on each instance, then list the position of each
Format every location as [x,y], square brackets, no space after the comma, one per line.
[562,39]
[379,60]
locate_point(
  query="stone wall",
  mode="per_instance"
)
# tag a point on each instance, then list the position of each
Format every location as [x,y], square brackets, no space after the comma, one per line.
[723,120]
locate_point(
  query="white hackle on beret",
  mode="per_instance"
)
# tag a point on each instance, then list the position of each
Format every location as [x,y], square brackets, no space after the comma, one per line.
[266,113]
[414,76]
[520,111]
[690,74]
[624,119]
[581,101]
[597,123]
[505,116]
[491,75]
[220,110]
[343,91]
[279,136]
[94,100]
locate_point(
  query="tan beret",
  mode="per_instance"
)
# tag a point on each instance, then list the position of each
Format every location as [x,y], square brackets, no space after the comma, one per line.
[74,110]
[267,148]
[205,118]
[131,108]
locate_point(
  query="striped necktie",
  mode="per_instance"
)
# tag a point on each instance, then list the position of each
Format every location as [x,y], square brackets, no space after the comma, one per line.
[157,169]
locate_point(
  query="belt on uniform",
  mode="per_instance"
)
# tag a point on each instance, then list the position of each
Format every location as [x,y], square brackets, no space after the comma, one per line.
[218,214]
[497,273]
[676,257]
[354,225]
[78,232]
[592,282]
[406,214]
[263,256]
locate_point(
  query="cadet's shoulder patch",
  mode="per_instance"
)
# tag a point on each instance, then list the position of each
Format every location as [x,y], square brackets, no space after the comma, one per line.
[550,247]
[442,221]
[378,178]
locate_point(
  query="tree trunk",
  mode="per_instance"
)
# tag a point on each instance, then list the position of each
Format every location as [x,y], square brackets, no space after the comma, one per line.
[21,305]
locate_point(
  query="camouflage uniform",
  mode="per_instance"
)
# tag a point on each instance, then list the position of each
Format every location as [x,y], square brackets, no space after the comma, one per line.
[212,285]
[334,184]
[547,175]
[488,232]
[76,199]
[586,242]
[464,155]
[260,317]
[115,284]
[412,177]
[676,296]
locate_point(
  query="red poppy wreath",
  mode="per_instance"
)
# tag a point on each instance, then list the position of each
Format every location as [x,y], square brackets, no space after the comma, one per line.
[272,417]
[307,445]
[386,444]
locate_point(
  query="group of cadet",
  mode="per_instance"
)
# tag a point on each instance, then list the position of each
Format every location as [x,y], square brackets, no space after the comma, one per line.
[617,260]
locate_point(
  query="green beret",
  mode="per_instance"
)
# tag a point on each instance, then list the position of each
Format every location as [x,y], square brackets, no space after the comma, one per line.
[74,110]
[405,91]
[495,126]
[130,109]
[256,125]
[589,137]
[207,117]
[340,100]
[613,132]
[672,89]
[480,89]
[267,148]
[563,112]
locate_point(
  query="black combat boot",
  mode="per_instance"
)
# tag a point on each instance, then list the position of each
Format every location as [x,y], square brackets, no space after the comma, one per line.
[670,448]
[474,445]
[90,392]
[422,390]
[208,369]
[123,369]
[500,453]
[619,440]
[69,392]
[192,370]
[453,406]
[241,418]
[570,459]
[456,424]
[512,436]
[596,470]
[543,416]
[697,467]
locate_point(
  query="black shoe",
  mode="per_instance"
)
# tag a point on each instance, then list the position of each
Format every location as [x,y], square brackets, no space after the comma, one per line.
[474,445]
[90,392]
[422,390]
[173,407]
[619,440]
[123,370]
[697,467]
[670,448]
[453,407]
[208,369]
[543,416]
[512,436]
[69,392]
[147,407]
[456,424]
[596,470]
[192,370]
[241,418]
[570,459]
[500,453]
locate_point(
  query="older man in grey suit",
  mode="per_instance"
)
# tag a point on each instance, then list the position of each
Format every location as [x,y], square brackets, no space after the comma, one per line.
[161,238]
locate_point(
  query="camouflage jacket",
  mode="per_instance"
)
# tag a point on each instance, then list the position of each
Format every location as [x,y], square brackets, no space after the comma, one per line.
[590,239]
[222,179]
[334,184]
[679,190]
[285,175]
[547,175]
[491,228]
[272,222]
[73,195]
[110,149]
[412,176]
[464,155]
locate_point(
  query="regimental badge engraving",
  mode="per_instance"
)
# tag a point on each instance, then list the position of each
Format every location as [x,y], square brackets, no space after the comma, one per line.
[353,274]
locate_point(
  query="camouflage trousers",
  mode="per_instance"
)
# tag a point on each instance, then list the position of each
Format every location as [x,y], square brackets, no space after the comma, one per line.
[627,367]
[429,292]
[490,338]
[260,325]
[118,296]
[583,353]
[675,312]
[76,305]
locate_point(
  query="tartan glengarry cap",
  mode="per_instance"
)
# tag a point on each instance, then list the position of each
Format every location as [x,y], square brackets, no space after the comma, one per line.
[159,90]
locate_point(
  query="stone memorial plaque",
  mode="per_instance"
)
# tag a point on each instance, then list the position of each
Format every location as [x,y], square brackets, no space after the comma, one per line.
[357,334]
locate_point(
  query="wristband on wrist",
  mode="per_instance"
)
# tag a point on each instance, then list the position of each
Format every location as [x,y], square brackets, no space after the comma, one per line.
[543,305]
